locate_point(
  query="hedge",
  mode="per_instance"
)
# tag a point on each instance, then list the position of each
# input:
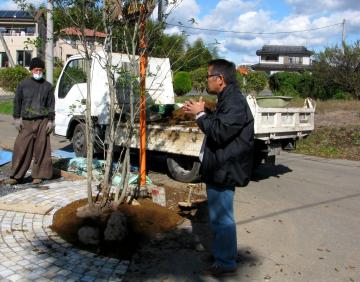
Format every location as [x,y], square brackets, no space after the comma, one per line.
[10,77]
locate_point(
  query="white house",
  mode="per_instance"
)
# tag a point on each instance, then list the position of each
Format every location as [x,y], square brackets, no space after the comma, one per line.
[18,28]
[275,58]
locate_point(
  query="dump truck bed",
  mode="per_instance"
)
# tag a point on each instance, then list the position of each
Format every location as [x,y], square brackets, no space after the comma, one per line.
[186,139]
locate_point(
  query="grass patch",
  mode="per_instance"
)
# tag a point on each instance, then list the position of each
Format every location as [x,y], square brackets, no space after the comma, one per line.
[6,107]
[337,105]
[328,142]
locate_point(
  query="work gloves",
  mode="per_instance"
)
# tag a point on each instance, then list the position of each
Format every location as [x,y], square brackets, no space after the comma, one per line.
[50,127]
[18,124]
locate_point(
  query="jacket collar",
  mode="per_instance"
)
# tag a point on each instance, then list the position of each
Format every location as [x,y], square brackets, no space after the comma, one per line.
[227,90]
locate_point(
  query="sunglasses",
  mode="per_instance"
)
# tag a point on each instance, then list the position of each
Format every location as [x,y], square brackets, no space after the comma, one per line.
[211,75]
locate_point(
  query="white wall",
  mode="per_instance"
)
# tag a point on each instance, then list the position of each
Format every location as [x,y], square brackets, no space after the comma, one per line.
[16,43]
[306,60]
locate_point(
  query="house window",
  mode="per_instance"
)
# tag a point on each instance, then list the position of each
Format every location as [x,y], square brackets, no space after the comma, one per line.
[270,58]
[295,60]
[23,57]
[4,60]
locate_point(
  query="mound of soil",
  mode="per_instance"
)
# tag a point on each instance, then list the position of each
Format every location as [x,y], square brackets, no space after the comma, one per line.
[179,116]
[144,222]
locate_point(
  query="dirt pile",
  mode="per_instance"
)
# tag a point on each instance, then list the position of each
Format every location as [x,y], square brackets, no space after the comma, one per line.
[179,116]
[144,222]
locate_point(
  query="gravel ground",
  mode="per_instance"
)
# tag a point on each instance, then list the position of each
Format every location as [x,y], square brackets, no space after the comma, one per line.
[8,189]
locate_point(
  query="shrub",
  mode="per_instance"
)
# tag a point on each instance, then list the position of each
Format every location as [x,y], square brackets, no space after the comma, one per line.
[256,81]
[57,72]
[198,79]
[10,77]
[182,83]
[253,81]
[285,83]
[340,95]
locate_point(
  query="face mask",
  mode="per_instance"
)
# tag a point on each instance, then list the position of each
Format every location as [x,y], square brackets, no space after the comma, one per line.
[38,76]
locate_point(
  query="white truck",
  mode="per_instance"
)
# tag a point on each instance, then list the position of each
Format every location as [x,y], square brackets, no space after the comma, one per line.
[275,128]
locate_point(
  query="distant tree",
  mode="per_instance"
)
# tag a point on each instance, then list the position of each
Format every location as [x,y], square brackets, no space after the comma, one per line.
[197,55]
[340,69]
[92,16]
[198,79]
[182,83]
[313,86]
[164,45]
[285,83]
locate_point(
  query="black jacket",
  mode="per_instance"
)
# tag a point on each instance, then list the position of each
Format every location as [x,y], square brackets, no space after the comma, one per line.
[229,130]
[34,99]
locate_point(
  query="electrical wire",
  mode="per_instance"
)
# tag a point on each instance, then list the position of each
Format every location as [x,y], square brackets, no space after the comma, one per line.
[250,32]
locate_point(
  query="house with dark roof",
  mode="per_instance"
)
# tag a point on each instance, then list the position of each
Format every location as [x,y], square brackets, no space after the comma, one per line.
[275,58]
[18,28]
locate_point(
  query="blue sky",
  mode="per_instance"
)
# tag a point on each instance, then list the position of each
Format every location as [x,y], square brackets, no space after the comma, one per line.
[261,16]
[267,16]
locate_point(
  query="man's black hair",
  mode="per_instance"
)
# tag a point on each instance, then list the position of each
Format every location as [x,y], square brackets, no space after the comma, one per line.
[225,68]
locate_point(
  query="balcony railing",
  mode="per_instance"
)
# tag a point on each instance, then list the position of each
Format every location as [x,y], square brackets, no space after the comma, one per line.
[18,31]
[23,33]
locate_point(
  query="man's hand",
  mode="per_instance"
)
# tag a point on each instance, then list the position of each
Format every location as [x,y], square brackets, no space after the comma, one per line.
[18,124]
[50,127]
[193,107]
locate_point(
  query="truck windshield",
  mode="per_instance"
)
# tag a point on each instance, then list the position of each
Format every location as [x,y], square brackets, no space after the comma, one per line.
[74,73]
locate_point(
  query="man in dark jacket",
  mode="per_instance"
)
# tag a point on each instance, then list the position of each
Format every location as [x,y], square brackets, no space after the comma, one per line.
[226,158]
[34,119]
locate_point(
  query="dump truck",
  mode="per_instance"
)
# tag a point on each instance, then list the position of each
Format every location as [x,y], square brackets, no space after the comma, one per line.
[276,127]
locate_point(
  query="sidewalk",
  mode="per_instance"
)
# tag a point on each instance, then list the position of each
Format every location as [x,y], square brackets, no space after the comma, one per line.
[31,251]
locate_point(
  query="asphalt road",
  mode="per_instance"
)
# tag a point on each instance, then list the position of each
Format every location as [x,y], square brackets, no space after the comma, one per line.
[296,221]
[8,134]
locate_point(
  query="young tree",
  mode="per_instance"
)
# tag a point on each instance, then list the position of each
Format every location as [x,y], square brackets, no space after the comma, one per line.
[198,79]
[340,68]
[122,22]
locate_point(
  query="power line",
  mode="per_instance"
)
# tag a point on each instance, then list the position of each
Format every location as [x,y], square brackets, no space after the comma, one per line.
[250,32]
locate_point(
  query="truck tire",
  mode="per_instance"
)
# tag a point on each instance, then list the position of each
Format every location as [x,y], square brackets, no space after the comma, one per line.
[79,140]
[183,169]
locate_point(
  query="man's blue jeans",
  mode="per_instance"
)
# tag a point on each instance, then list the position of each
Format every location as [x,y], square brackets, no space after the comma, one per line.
[222,223]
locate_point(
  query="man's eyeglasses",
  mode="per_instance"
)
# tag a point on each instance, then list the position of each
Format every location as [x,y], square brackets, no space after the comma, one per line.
[211,75]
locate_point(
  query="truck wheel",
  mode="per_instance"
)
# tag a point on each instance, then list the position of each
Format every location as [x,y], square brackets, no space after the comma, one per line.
[183,169]
[79,140]
[257,159]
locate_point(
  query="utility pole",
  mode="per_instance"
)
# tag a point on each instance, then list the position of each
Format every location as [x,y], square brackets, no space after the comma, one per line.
[343,36]
[49,54]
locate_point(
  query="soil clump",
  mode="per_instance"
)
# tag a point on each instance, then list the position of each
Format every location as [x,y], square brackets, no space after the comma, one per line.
[144,222]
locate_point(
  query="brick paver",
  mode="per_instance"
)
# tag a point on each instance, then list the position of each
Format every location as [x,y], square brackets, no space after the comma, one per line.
[31,251]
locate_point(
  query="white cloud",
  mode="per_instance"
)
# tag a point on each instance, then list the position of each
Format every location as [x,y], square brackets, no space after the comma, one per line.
[183,11]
